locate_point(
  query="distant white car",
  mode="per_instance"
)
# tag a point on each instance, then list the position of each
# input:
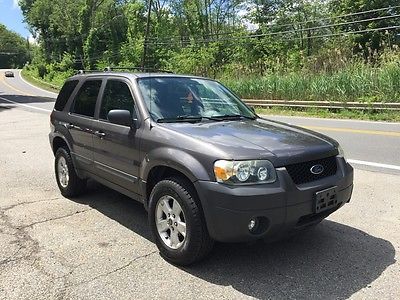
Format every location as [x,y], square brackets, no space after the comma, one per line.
[9,73]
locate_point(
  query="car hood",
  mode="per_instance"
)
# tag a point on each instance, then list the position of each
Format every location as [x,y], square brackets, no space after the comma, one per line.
[255,139]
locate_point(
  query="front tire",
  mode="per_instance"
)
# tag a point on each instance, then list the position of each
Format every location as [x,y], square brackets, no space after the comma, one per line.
[177,222]
[68,182]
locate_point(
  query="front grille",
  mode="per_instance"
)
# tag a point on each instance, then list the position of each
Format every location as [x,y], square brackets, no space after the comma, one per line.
[301,172]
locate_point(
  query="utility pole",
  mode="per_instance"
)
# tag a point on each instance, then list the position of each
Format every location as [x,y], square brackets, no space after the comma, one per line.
[146,35]
[28,48]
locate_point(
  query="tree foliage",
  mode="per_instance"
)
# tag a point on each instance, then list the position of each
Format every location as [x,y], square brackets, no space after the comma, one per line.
[14,50]
[211,37]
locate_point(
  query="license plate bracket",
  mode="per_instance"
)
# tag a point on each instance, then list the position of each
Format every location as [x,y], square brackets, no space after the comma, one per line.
[325,199]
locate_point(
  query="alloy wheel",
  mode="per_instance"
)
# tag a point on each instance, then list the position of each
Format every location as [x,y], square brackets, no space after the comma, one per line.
[170,222]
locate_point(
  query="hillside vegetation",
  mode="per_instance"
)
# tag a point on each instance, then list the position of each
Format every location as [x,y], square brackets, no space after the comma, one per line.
[305,50]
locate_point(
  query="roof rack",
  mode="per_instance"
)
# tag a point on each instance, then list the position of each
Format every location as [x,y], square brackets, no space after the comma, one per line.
[109,69]
[141,69]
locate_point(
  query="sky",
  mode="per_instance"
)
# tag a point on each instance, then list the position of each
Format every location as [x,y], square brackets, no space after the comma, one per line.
[11,17]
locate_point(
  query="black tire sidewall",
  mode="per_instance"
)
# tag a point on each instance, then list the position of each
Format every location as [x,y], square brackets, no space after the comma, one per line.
[183,254]
[71,188]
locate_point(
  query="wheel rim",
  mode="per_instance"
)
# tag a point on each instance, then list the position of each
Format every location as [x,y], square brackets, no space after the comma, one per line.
[170,222]
[63,173]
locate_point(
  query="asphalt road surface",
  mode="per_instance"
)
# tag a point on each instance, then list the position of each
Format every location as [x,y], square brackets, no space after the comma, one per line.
[99,246]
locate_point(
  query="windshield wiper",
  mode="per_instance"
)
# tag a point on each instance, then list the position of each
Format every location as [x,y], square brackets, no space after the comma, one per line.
[188,118]
[232,117]
[212,118]
[180,119]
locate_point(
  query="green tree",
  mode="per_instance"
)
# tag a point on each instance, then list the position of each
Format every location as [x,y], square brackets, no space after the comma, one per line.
[369,43]
[14,49]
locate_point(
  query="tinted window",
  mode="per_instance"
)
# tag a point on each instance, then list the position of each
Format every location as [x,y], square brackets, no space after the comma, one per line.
[116,96]
[64,94]
[85,100]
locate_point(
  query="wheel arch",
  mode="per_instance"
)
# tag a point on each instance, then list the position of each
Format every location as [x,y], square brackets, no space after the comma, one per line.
[59,141]
[177,159]
[161,172]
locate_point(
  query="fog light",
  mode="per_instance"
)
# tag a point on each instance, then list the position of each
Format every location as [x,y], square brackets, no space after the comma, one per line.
[252,224]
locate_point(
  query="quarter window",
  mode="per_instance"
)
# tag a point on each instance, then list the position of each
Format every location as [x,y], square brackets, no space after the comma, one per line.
[64,94]
[85,100]
[117,95]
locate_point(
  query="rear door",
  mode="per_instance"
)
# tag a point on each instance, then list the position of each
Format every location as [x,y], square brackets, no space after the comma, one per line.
[81,122]
[116,147]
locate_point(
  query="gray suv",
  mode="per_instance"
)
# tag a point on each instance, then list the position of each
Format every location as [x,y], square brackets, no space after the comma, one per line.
[206,166]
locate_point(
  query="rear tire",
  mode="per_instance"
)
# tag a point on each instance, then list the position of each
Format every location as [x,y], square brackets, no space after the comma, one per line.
[68,182]
[182,237]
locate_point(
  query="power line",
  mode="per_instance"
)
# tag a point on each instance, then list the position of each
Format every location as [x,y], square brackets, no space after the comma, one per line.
[230,38]
[346,15]
[12,53]
[333,34]
[308,21]
[276,33]
[94,58]
[349,32]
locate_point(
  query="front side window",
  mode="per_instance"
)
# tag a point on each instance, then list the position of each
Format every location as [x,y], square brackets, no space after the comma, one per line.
[117,95]
[177,97]
[85,100]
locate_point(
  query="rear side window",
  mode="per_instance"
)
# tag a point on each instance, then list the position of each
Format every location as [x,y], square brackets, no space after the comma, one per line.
[85,100]
[116,96]
[64,94]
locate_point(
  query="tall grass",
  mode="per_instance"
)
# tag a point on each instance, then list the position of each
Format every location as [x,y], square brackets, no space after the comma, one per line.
[355,82]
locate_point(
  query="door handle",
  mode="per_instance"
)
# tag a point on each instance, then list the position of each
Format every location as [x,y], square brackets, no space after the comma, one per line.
[100,134]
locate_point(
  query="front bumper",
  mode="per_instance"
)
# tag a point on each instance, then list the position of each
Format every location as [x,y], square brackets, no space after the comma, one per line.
[282,206]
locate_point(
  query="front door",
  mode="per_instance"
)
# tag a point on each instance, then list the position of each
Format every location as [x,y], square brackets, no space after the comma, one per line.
[116,147]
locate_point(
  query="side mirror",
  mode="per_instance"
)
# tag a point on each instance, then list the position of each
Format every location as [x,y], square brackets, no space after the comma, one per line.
[121,117]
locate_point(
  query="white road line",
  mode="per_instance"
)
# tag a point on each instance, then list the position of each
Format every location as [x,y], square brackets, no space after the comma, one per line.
[38,88]
[26,105]
[373,164]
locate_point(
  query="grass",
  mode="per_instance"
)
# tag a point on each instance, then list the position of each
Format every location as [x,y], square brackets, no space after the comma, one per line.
[355,82]
[30,77]
[389,116]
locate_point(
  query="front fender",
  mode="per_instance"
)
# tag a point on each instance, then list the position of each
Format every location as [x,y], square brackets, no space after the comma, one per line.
[176,159]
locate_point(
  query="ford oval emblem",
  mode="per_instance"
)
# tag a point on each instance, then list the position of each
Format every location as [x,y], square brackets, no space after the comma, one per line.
[317,169]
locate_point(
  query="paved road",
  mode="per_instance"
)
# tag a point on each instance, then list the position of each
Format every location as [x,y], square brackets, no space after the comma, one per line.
[368,145]
[98,246]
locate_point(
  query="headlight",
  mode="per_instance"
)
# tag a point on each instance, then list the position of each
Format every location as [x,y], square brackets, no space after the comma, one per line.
[246,171]
[341,152]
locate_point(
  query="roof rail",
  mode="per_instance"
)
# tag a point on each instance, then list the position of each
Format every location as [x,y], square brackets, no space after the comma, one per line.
[141,69]
[109,69]
[86,71]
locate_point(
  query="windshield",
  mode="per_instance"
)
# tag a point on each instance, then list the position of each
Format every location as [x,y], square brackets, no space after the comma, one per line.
[185,98]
